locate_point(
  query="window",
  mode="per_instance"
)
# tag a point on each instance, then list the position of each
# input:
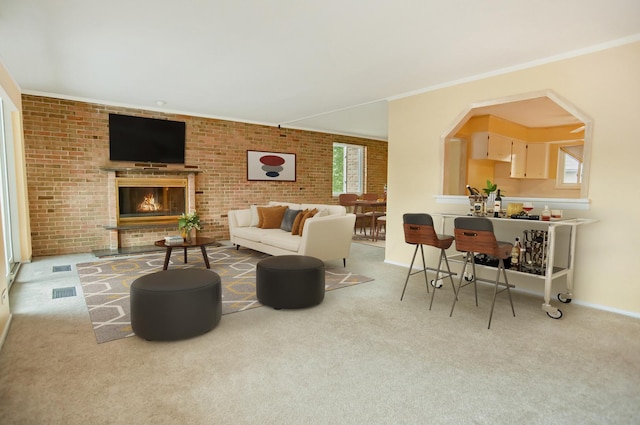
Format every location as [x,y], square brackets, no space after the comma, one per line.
[348,168]
[569,166]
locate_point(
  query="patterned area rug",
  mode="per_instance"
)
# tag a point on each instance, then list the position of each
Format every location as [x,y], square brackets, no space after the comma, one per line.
[105,283]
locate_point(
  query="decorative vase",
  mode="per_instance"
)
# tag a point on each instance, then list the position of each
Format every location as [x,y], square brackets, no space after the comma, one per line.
[186,235]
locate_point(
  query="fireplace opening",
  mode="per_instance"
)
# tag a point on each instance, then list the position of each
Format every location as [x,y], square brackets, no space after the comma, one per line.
[151,201]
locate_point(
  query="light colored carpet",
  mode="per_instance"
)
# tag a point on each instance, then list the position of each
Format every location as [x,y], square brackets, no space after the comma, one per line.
[106,283]
[360,357]
[359,238]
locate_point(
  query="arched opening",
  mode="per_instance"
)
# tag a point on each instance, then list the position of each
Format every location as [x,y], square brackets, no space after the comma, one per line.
[533,145]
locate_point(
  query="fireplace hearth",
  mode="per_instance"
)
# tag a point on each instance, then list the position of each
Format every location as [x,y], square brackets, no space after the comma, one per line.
[150,200]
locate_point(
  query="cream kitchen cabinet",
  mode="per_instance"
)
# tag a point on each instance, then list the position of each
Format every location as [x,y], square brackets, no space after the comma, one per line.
[529,160]
[491,146]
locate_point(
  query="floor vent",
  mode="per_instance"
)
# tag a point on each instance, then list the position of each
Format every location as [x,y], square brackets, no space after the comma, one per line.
[64,292]
[61,268]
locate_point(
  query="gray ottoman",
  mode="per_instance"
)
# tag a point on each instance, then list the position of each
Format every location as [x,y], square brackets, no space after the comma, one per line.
[290,281]
[175,304]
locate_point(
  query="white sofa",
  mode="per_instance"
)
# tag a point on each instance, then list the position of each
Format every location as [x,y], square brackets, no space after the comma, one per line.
[327,237]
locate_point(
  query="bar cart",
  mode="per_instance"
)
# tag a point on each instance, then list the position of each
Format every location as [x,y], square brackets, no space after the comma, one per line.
[542,267]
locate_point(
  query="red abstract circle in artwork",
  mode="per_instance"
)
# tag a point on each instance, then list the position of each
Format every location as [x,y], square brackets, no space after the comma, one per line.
[272,160]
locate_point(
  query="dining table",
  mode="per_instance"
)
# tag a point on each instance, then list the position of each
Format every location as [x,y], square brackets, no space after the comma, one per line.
[373,205]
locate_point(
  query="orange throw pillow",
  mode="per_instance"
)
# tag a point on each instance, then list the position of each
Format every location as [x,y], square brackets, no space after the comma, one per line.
[295,229]
[271,217]
[260,211]
[307,216]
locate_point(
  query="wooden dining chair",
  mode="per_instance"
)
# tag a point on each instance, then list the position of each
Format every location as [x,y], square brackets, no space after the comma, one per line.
[381,223]
[348,200]
[372,213]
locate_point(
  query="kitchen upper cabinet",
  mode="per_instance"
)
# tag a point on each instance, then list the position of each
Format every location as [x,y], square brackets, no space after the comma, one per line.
[518,159]
[537,161]
[491,146]
[529,160]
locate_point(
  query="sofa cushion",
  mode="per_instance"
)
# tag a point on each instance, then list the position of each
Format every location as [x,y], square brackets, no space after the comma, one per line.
[307,216]
[243,218]
[255,218]
[272,237]
[271,217]
[323,212]
[295,228]
[280,239]
[250,233]
[288,218]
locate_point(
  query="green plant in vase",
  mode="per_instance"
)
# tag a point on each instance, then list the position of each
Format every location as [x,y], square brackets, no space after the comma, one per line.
[491,187]
[188,222]
[489,191]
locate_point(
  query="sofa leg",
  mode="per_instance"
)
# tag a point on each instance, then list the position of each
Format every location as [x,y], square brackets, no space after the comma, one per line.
[344,262]
[237,247]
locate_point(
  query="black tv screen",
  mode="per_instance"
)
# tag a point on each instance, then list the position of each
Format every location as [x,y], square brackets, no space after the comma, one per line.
[146,139]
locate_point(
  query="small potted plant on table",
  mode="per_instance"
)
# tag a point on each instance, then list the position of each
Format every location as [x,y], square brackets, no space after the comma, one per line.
[490,190]
[186,224]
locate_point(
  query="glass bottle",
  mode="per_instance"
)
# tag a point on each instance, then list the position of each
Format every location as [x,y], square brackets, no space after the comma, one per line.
[546,213]
[497,205]
[516,254]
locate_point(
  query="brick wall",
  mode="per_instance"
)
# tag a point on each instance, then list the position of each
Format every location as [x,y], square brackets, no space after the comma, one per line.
[67,143]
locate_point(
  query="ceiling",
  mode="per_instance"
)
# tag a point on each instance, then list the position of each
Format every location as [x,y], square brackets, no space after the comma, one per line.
[328,65]
[536,112]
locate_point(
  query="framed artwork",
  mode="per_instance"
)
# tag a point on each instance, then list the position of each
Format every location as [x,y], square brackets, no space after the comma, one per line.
[271,166]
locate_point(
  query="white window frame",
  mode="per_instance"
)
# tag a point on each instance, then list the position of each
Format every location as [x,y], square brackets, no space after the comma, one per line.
[360,172]
[560,182]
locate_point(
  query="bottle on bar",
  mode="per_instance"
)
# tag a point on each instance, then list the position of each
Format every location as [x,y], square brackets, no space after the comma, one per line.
[515,255]
[497,205]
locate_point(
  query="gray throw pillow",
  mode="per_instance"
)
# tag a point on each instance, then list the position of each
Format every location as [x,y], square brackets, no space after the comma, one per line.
[287,220]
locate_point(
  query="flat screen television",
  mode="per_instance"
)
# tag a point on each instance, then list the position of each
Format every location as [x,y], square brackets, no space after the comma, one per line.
[146,139]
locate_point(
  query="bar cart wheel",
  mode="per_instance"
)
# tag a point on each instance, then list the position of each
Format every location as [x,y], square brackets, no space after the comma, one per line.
[556,315]
[563,299]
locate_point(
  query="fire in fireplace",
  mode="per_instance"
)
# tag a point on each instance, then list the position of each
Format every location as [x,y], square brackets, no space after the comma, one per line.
[148,204]
[150,200]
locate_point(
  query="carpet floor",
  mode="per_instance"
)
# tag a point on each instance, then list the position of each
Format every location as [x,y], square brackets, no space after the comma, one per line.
[360,357]
[105,284]
[366,240]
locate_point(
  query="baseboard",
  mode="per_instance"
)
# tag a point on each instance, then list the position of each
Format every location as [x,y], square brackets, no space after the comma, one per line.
[5,331]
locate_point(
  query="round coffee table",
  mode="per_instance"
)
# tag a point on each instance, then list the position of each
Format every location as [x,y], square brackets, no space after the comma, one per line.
[199,241]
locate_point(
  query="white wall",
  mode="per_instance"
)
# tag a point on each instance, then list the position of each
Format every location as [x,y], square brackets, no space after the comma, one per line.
[7,94]
[606,86]
[10,92]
